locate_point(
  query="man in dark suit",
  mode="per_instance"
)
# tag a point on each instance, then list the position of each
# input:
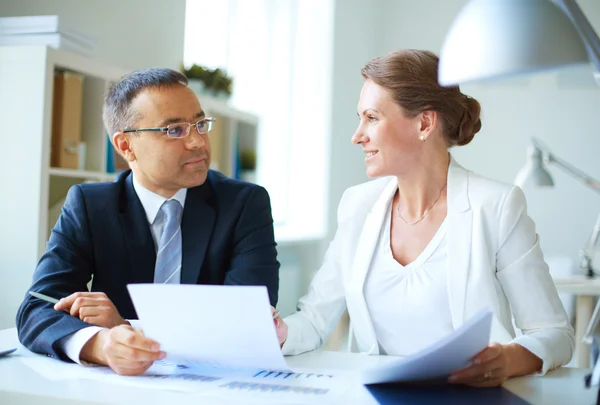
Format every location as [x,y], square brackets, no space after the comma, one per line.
[167,220]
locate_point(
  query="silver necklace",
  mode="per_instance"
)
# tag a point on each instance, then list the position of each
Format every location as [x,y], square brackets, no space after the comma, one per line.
[422,217]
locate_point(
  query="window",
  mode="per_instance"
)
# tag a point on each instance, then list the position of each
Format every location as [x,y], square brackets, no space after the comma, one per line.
[279,53]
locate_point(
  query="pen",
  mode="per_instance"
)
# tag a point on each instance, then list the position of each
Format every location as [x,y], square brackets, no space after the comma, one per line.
[43,297]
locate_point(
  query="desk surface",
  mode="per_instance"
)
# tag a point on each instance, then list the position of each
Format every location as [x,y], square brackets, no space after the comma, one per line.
[21,385]
[578,285]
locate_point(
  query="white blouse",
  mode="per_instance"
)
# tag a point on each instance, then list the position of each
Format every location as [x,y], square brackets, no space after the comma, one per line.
[409,305]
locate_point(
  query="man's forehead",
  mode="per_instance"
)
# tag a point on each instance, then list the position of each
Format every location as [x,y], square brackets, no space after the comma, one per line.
[167,102]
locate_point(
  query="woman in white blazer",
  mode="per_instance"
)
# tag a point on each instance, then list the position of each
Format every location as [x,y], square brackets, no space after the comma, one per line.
[428,244]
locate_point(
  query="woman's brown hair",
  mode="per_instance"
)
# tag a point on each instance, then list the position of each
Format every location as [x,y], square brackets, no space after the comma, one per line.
[411,76]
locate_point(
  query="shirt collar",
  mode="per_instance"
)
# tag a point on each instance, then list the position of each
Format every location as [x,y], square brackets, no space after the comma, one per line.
[152,201]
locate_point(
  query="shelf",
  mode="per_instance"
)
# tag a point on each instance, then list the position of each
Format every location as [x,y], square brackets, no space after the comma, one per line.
[214,106]
[83,64]
[82,174]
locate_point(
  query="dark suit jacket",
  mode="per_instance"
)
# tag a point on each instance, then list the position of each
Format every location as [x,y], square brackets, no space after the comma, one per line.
[103,233]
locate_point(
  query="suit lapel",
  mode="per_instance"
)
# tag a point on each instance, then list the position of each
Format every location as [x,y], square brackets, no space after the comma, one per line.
[460,218]
[197,226]
[362,261]
[138,239]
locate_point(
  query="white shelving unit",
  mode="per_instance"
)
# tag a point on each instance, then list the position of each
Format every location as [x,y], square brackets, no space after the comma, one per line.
[32,192]
[29,186]
[234,132]
[81,174]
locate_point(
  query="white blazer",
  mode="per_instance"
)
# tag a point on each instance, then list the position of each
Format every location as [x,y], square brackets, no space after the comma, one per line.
[494,260]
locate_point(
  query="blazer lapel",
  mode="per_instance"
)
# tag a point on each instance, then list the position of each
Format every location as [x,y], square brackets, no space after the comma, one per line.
[197,226]
[460,218]
[138,239]
[362,261]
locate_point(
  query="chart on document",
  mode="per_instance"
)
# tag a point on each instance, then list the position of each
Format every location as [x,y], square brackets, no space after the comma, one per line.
[267,386]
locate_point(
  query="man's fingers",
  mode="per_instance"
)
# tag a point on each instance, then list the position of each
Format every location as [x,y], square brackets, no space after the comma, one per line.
[127,367]
[135,355]
[88,311]
[80,303]
[93,320]
[134,338]
[69,301]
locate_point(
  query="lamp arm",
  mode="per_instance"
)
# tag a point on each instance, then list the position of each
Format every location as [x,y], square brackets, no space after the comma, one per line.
[549,157]
[584,28]
[573,171]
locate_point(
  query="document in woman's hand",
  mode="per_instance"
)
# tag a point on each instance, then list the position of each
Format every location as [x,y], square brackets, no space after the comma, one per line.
[440,359]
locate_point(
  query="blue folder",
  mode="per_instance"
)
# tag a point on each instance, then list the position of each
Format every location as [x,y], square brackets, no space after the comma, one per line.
[397,394]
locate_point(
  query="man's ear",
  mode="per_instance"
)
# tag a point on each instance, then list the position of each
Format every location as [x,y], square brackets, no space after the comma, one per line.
[122,143]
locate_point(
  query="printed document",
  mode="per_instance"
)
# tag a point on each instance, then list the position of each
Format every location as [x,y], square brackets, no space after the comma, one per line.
[222,326]
[440,359]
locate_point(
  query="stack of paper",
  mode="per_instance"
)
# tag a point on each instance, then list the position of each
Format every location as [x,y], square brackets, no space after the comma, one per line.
[44,30]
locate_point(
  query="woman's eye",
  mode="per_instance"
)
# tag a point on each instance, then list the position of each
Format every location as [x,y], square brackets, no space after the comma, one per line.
[371,118]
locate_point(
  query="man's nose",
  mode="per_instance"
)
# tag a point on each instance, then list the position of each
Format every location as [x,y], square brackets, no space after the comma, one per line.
[196,140]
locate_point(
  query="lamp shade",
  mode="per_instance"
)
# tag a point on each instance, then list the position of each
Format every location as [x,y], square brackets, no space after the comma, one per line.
[534,173]
[494,38]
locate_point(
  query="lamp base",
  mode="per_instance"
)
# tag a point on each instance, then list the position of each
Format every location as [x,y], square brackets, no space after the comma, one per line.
[588,379]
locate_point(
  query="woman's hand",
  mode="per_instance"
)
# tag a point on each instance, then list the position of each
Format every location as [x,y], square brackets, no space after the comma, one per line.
[489,368]
[280,327]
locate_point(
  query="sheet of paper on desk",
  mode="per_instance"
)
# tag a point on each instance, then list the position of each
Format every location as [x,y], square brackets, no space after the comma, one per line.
[263,386]
[439,360]
[223,326]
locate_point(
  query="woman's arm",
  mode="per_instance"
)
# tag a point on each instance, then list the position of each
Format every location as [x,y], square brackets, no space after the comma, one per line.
[534,301]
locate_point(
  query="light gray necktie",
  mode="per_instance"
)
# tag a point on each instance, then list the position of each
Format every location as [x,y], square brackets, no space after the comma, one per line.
[168,257]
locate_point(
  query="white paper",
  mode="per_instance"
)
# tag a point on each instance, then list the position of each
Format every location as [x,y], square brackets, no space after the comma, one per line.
[440,359]
[219,326]
[263,386]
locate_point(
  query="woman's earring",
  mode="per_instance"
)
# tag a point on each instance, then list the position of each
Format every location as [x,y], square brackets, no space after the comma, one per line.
[422,138]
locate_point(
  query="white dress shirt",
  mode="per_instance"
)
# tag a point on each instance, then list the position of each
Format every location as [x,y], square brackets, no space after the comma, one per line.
[415,295]
[72,344]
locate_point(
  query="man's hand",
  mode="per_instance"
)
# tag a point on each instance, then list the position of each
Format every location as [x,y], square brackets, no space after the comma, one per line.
[280,327]
[92,307]
[124,349]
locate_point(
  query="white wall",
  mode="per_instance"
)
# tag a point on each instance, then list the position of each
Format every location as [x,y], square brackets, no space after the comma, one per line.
[132,34]
[560,109]
[355,42]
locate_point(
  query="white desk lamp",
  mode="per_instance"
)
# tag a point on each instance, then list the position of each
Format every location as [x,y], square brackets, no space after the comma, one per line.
[535,174]
[491,39]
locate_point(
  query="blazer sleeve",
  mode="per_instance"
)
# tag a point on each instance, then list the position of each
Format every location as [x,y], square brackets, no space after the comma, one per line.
[527,283]
[64,268]
[320,310]
[254,256]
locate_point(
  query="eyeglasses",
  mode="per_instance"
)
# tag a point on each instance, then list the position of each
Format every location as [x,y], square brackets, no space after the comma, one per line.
[181,129]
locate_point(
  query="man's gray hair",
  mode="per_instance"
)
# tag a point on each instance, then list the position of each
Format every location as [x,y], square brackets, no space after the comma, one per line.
[117,112]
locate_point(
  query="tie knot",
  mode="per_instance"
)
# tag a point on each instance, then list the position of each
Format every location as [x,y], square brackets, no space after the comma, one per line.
[172,209]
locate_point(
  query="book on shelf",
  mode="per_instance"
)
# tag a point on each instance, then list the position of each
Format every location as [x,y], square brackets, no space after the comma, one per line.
[43,24]
[66,119]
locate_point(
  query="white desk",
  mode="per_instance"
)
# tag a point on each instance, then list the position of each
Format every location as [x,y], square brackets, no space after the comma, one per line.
[21,385]
[584,289]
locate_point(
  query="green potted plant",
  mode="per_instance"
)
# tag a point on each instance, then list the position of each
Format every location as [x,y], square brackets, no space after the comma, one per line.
[204,80]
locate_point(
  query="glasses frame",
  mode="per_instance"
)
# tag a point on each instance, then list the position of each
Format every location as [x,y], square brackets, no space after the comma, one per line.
[209,120]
